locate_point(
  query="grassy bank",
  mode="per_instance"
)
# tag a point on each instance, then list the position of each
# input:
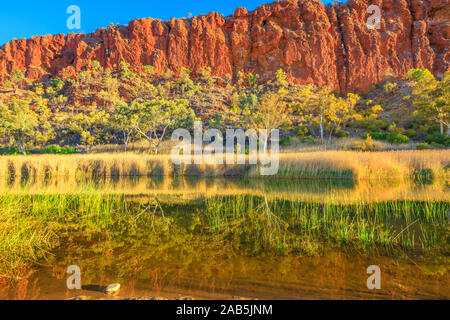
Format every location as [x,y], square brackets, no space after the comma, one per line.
[371,166]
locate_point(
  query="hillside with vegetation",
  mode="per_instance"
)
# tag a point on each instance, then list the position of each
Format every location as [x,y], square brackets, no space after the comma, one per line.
[120,108]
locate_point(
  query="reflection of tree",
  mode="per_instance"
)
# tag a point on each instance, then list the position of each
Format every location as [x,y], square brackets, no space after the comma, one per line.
[151,210]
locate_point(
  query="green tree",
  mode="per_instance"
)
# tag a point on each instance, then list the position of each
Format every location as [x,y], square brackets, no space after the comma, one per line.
[323,109]
[156,117]
[272,112]
[45,130]
[89,126]
[18,121]
[124,119]
[432,97]
[269,112]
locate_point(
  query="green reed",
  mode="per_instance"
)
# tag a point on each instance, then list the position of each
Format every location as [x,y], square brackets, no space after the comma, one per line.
[294,226]
[31,226]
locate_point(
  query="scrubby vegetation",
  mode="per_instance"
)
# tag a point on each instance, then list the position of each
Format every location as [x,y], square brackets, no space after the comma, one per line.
[101,107]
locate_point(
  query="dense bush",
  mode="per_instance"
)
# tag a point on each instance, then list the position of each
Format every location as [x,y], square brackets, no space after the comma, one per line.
[55,149]
[437,139]
[374,125]
[342,134]
[9,151]
[389,87]
[367,145]
[411,133]
[381,136]
[309,140]
[123,106]
[285,141]
[423,146]
[397,138]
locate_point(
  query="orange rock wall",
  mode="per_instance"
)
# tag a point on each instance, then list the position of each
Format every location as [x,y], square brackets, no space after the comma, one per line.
[311,42]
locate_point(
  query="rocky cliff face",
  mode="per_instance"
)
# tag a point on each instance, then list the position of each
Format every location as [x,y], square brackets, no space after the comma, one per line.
[311,42]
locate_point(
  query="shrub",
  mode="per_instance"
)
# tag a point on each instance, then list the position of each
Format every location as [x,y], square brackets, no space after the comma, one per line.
[342,134]
[381,136]
[357,146]
[397,138]
[9,151]
[374,125]
[411,133]
[309,140]
[438,139]
[389,87]
[285,141]
[55,149]
[423,146]
[368,144]
[437,145]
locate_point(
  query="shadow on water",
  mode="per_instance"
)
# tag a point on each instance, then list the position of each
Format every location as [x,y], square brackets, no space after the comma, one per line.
[94,288]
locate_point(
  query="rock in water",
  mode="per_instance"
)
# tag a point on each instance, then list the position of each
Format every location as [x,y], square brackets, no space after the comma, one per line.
[112,289]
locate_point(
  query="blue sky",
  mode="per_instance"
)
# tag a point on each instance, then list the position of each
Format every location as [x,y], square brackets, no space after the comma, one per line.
[25,18]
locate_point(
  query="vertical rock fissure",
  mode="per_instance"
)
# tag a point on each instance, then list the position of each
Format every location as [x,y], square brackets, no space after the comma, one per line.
[343,87]
[413,19]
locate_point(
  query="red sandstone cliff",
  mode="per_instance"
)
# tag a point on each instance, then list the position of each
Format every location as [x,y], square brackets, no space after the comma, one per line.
[311,42]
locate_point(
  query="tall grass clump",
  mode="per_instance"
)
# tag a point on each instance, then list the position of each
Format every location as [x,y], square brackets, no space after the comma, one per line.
[356,166]
[311,227]
[30,225]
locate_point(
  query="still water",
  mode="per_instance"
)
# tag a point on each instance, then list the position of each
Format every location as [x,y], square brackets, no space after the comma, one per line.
[235,239]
